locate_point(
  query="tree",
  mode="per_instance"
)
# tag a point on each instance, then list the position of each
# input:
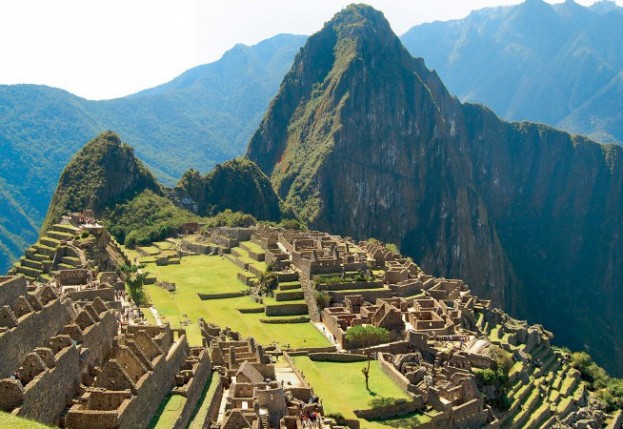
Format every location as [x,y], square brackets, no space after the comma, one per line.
[364,337]
[267,283]
[135,281]
[323,299]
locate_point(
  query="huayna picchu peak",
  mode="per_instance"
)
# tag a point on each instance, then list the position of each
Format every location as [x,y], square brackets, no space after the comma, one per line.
[362,139]
[101,174]
[384,256]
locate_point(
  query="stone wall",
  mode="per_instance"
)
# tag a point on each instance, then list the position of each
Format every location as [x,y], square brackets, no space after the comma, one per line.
[32,330]
[46,396]
[353,285]
[11,288]
[194,390]
[285,309]
[154,389]
[289,295]
[74,277]
[396,376]
[398,409]
[215,400]
[208,296]
[296,371]
[338,357]
[98,338]
[106,294]
[369,295]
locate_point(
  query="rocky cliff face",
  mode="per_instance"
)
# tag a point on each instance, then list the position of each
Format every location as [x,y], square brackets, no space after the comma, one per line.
[364,140]
[238,185]
[104,172]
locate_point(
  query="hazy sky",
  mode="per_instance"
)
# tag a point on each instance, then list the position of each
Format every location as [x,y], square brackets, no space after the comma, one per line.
[105,49]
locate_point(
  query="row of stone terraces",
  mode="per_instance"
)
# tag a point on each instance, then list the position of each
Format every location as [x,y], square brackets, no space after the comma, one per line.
[50,254]
[288,299]
[543,390]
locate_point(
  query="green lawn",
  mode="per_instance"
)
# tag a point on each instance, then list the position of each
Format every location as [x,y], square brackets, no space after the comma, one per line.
[348,391]
[212,274]
[10,421]
[201,273]
[169,411]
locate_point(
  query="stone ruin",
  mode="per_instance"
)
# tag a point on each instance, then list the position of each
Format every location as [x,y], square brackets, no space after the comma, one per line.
[256,399]
[71,364]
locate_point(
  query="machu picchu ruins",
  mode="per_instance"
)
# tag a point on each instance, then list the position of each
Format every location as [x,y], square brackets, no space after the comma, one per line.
[77,352]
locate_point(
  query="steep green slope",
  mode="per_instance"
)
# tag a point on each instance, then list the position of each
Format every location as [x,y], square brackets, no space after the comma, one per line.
[364,140]
[238,185]
[554,64]
[101,174]
[210,111]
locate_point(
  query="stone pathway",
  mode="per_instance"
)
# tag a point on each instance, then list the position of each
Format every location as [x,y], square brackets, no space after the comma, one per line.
[286,375]
[155,313]
[324,331]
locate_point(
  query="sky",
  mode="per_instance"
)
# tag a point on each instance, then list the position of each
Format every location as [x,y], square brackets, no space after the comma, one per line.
[106,49]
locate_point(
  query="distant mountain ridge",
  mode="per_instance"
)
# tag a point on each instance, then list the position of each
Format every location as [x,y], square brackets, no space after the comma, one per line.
[363,140]
[558,64]
[203,117]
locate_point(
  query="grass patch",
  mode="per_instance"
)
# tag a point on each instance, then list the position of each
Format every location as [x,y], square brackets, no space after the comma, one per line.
[168,412]
[350,394]
[149,316]
[254,247]
[150,250]
[201,413]
[412,420]
[10,421]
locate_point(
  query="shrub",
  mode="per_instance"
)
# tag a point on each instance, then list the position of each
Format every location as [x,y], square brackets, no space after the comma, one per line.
[384,402]
[365,336]
[589,370]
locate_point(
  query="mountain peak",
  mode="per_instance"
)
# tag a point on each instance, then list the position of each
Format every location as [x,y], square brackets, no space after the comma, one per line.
[102,173]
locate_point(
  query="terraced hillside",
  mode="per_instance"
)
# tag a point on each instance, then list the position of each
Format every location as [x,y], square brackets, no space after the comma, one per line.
[53,252]
[545,388]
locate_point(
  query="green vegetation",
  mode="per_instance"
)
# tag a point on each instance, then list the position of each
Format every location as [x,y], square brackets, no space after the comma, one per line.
[354,276]
[10,421]
[150,217]
[499,380]
[104,172]
[168,412]
[323,299]
[385,402]
[350,393]
[229,218]
[134,282]
[365,336]
[147,218]
[608,390]
[409,421]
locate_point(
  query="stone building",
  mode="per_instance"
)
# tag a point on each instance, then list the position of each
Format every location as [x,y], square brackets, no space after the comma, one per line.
[70,363]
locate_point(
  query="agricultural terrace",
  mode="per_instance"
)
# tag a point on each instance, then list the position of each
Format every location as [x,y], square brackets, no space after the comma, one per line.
[215,275]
